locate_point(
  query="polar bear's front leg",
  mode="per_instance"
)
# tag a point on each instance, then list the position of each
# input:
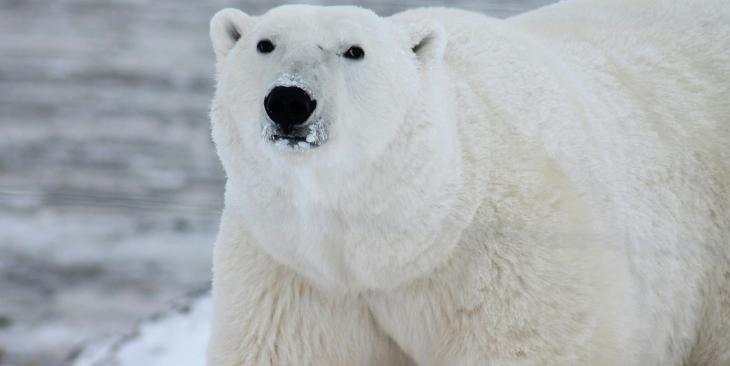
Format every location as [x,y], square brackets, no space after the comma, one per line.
[265,314]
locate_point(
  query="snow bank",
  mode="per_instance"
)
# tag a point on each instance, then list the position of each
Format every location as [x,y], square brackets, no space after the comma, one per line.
[175,338]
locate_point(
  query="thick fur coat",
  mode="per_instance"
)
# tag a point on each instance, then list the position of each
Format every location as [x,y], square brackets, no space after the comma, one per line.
[550,189]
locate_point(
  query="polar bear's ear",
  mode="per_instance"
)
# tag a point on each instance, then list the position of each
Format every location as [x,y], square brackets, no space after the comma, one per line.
[426,37]
[226,28]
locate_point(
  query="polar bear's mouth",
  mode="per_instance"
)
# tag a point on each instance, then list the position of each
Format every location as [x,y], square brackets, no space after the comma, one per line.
[291,141]
[294,139]
[305,137]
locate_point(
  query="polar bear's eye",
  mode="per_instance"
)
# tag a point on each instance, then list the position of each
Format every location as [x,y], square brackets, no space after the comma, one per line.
[265,46]
[354,53]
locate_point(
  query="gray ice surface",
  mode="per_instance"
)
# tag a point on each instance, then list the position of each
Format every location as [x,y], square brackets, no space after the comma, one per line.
[109,186]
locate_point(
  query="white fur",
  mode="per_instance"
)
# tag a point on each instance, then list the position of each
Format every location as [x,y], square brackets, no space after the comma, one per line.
[551,189]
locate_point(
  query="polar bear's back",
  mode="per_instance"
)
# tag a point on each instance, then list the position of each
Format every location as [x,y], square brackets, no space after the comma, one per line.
[670,58]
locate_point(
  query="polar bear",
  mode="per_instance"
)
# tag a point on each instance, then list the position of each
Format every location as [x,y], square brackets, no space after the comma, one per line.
[440,187]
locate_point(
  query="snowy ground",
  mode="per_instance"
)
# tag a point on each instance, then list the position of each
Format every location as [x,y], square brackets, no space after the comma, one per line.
[109,187]
[152,343]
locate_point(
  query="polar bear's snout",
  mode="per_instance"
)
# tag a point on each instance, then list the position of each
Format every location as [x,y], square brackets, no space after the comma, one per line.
[293,120]
[288,107]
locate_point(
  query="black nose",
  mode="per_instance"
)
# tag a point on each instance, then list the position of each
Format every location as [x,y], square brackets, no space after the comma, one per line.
[288,106]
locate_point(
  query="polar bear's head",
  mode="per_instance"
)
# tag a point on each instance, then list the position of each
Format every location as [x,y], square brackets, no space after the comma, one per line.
[324,116]
[317,85]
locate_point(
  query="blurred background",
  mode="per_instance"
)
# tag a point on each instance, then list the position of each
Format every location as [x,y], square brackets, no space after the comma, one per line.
[110,189]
